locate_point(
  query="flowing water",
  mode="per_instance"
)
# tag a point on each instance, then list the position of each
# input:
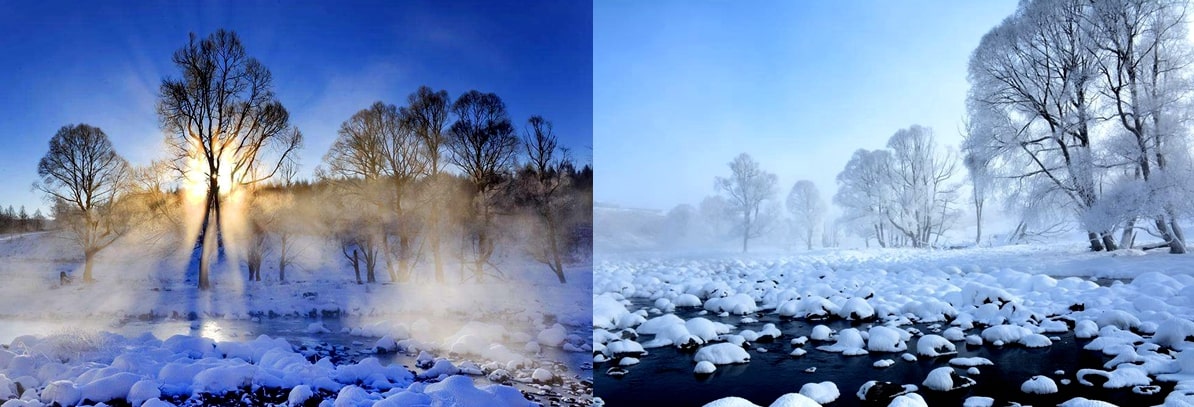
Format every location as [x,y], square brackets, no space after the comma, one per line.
[665,376]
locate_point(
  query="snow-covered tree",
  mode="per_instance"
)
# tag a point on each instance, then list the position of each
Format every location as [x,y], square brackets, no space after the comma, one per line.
[679,226]
[1036,72]
[807,210]
[1144,65]
[865,194]
[746,190]
[919,173]
[714,211]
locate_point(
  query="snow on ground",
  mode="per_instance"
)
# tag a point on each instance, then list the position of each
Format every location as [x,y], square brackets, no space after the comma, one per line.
[1139,308]
[500,331]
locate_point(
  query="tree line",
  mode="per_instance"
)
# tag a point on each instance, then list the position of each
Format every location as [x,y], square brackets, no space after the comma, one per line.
[396,185]
[13,220]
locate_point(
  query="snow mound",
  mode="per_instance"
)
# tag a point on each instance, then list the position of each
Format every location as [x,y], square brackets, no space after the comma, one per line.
[722,354]
[1039,385]
[731,402]
[934,346]
[794,400]
[886,339]
[970,362]
[822,393]
[821,333]
[978,401]
[946,379]
[849,343]
[553,336]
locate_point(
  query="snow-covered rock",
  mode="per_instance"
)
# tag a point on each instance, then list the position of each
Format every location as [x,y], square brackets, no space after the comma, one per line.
[1039,385]
[722,354]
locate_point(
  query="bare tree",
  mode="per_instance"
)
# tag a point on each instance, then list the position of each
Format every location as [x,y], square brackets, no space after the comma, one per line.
[482,144]
[223,120]
[746,189]
[807,209]
[284,204]
[358,158]
[86,178]
[426,116]
[546,189]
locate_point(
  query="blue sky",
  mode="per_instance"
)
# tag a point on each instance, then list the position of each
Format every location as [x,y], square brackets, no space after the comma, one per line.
[682,87]
[101,63]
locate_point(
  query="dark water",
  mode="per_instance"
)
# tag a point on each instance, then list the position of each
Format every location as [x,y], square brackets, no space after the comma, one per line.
[665,377]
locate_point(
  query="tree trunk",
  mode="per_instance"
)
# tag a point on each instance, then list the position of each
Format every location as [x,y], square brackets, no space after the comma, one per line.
[404,265]
[207,230]
[1176,246]
[1108,242]
[482,257]
[1128,238]
[745,235]
[371,265]
[356,266]
[88,262]
[1095,244]
[435,245]
[557,261]
[390,259]
[283,255]
[1179,237]
[978,218]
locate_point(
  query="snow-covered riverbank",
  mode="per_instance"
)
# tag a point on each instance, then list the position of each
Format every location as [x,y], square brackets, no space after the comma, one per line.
[518,341]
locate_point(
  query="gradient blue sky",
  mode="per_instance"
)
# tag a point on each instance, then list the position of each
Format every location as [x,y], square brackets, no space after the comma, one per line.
[682,87]
[102,63]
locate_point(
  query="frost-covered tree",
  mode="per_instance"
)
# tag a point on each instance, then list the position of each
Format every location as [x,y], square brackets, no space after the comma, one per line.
[899,195]
[1036,72]
[225,126]
[865,194]
[86,179]
[807,210]
[919,173]
[746,190]
[714,210]
[978,172]
[1143,61]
